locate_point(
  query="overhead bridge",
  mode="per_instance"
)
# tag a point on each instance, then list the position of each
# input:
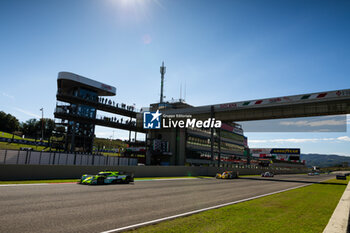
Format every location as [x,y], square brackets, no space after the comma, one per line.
[306,105]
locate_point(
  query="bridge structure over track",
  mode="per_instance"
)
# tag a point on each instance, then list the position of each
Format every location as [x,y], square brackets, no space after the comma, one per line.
[304,105]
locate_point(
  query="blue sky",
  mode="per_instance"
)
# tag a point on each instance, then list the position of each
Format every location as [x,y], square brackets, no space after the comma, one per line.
[223,51]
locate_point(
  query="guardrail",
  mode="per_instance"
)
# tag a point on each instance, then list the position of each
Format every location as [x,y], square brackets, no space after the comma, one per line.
[62,158]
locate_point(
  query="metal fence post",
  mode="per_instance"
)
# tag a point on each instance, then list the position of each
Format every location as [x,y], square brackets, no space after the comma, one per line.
[30,156]
[75,159]
[5,157]
[17,156]
[66,159]
[26,160]
[54,157]
[59,157]
[40,157]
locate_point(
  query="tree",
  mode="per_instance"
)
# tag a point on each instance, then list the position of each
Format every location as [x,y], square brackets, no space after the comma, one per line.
[30,128]
[8,123]
[49,127]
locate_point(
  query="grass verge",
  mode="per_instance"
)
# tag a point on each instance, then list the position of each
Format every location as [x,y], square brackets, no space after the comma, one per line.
[306,209]
[17,146]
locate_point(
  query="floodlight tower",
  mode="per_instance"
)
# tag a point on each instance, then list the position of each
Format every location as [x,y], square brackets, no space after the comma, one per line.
[162,72]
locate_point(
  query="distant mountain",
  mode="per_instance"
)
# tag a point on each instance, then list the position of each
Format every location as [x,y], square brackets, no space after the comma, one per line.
[324,160]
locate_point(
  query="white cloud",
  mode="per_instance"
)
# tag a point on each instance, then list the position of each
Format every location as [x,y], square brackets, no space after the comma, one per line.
[344,138]
[27,112]
[8,96]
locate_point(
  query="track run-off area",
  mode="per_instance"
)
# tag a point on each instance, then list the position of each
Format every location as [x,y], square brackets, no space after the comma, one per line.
[79,208]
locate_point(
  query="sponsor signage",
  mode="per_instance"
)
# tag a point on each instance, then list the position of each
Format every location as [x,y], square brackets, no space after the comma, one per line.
[290,151]
[106,87]
[284,154]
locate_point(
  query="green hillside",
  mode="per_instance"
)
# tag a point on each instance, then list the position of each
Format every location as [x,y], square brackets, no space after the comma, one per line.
[323,160]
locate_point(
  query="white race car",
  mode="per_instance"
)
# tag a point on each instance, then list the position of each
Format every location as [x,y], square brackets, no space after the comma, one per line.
[267,174]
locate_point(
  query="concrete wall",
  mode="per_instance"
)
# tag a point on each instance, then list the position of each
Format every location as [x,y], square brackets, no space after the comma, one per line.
[30,172]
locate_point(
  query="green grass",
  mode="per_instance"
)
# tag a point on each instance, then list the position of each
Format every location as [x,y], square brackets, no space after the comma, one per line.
[306,209]
[17,146]
[9,135]
[110,154]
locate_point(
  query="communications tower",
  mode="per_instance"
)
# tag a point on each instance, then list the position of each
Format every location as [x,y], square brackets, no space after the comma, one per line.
[162,72]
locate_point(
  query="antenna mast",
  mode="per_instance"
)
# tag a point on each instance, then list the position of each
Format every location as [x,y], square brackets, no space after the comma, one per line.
[180,92]
[185,92]
[162,72]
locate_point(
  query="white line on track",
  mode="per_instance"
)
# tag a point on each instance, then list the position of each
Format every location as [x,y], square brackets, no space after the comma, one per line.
[200,210]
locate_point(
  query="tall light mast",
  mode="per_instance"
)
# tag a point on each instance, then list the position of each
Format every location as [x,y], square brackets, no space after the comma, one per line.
[162,72]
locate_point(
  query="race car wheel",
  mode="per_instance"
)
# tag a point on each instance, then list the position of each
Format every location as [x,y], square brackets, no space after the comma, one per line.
[100,180]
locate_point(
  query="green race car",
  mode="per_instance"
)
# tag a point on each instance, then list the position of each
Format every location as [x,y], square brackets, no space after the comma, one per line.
[107,177]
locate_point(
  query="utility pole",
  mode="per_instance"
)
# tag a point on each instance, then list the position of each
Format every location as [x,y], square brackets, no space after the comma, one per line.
[42,123]
[162,72]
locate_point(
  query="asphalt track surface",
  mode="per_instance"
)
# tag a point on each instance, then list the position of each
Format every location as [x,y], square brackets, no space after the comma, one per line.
[80,208]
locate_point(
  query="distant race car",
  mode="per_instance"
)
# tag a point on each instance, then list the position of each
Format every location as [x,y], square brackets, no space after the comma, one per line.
[313,173]
[227,175]
[107,177]
[267,174]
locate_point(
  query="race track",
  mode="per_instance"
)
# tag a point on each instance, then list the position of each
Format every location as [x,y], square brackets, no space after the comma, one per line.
[80,208]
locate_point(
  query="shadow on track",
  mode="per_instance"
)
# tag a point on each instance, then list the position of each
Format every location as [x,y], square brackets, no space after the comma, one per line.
[291,181]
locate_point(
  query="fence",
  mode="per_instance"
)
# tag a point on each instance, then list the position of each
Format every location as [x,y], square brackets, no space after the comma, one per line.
[59,158]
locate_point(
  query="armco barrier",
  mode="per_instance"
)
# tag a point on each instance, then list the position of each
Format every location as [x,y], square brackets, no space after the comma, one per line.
[30,172]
